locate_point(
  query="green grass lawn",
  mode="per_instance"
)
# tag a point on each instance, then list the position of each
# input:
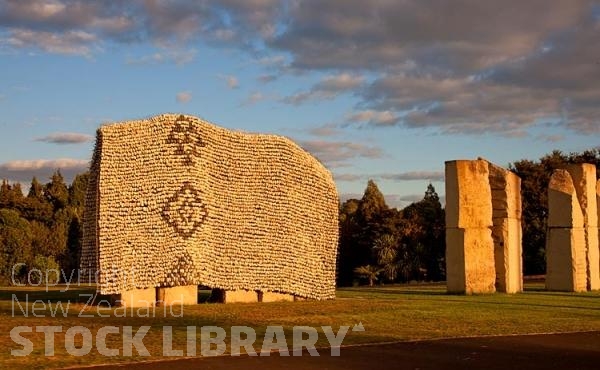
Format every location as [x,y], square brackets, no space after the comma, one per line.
[388,313]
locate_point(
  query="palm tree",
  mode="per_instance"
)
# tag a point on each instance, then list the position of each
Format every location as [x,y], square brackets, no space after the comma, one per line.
[386,247]
[368,272]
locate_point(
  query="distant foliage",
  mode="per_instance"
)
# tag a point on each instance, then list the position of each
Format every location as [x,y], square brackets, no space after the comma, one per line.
[394,245]
[535,177]
[369,273]
[41,230]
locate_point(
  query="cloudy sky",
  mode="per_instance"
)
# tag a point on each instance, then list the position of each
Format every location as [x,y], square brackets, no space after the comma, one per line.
[382,89]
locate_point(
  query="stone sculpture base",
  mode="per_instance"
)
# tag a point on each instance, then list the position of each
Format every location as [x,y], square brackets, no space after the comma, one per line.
[135,298]
[179,295]
[240,296]
[275,297]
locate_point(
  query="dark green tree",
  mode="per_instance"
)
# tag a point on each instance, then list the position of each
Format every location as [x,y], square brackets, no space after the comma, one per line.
[11,196]
[15,246]
[372,204]
[73,251]
[36,189]
[56,191]
[35,207]
[347,247]
[386,249]
[361,223]
[368,272]
[77,191]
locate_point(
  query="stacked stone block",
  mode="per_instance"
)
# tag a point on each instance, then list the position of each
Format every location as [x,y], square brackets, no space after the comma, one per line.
[275,297]
[175,201]
[584,180]
[470,266]
[566,267]
[179,295]
[240,296]
[506,229]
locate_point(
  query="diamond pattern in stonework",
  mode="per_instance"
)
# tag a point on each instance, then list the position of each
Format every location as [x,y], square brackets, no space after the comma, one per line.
[185,211]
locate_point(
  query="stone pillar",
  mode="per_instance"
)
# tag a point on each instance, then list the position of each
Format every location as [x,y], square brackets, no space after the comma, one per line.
[584,180]
[565,245]
[177,295]
[469,245]
[506,231]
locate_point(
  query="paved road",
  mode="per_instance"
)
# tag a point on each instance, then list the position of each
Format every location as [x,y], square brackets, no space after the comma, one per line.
[555,351]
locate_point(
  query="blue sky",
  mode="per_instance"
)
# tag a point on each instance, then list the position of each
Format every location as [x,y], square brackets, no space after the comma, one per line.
[383,89]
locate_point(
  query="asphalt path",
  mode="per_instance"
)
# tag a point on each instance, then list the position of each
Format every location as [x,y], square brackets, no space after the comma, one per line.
[548,351]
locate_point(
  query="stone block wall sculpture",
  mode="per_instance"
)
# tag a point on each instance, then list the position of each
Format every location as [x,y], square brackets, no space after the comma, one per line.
[566,268]
[483,228]
[506,229]
[469,244]
[174,201]
[584,180]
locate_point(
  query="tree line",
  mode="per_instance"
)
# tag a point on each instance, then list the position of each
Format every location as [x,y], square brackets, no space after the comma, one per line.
[377,244]
[41,230]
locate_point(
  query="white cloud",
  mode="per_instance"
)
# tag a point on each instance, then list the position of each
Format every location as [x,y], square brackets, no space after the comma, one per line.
[253,98]
[71,42]
[550,138]
[348,177]
[65,138]
[433,62]
[432,176]
[326,130]
[183,97]
[266,78]
[178,57]
[328,88]
[373,118]
[25,170]
[231,81]
[414,175]
[338,153]
[274,60]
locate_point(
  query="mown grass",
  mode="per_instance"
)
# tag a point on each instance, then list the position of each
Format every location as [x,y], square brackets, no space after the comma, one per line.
[389,313]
